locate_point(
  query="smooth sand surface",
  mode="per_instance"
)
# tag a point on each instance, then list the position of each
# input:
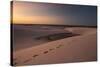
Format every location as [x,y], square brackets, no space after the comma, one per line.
[73,49]
[28,36]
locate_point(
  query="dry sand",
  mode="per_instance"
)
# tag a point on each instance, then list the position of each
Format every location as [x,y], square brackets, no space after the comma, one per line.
[73,49]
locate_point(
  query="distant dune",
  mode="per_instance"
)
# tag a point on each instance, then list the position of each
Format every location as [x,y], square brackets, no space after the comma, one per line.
[72,49]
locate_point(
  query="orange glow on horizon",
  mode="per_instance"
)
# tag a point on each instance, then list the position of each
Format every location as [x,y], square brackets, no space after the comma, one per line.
[27,13]
[36,19]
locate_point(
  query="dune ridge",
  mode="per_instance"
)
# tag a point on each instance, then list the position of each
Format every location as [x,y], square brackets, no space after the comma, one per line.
[72,49]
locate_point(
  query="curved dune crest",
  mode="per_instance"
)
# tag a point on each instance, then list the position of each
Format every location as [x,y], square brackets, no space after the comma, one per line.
[73,49]
[81,30]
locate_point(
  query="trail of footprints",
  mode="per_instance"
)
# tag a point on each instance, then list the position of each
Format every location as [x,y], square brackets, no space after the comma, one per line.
[36,55]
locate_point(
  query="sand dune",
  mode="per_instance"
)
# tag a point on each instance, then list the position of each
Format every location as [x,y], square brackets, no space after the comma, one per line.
[72,49]
[25,36]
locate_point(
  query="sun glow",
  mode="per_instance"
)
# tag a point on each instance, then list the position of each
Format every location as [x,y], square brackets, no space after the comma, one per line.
[36,19]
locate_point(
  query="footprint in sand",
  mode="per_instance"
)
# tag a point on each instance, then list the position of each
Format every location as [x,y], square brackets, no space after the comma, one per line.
[51,49]
[59,46]
[35,55]
[45,52]
[27,60]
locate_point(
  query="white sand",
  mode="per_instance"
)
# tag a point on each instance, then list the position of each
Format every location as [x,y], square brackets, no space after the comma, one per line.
[72,49]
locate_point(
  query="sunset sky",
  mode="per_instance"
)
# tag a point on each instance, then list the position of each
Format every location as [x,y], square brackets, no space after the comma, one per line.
[46,13]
